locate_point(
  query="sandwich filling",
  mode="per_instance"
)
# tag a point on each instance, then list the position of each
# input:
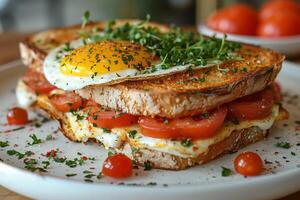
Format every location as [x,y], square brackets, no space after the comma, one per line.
[89,121]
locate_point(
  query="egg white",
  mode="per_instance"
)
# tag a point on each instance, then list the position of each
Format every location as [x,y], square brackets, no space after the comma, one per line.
[53,74]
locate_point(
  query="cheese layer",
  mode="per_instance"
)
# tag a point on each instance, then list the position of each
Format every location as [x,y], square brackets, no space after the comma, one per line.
[116,137]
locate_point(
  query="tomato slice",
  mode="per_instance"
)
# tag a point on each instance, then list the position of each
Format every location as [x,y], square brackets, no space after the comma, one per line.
[66,102]
[117,166]
[17,116]
[37,82]
[201,128]
[158,128]
[110,119]
[189,127]
[248,164]
[256,106]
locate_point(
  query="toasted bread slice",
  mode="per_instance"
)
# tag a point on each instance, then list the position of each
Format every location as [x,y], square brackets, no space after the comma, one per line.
[172,96]
[163,160]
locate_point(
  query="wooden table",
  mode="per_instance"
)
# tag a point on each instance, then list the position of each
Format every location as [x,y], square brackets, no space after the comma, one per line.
[9,52]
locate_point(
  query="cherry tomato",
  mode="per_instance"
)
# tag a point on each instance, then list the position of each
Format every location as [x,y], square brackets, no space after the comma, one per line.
[110,119]
[248,164]
[281,24]
[189,127]
[256,106]
[117,166]
[66,102]
[37,82]
[235,19]
[271,8]
[17,116]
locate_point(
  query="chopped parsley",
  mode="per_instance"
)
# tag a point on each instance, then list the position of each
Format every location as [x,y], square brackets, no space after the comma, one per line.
[89,176]
[110,153]
[31,163]
[4,144]
[85,19]
[49,137]
[284,145]
[186,142]
[100,175]
[70,175]
[132,133]
[77,114]
[147,165]
[19,154]
[106,130]
[45,164]
[226,171]
[245,69]
[35,140]
[175,47]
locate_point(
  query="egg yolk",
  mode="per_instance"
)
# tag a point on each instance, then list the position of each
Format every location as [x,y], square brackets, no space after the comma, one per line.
[105,57]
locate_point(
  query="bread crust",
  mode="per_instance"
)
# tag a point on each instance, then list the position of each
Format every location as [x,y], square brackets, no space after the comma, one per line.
[162,160]
[234,142]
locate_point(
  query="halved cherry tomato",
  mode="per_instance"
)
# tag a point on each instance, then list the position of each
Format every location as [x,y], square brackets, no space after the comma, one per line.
[117,166]
[66,102]
[235,19]
[273,7]
[248,164]
[110,119]
[37,82]
[256,106]
[17,116]
[281,24]
[189,127]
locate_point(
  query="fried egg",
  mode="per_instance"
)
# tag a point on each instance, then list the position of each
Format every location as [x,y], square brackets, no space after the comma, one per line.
[78,64]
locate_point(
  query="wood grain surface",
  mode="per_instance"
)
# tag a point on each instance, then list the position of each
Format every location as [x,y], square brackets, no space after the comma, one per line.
[9,52]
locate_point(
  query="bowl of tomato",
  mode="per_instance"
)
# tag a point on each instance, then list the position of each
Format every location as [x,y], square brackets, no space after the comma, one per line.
[275,25]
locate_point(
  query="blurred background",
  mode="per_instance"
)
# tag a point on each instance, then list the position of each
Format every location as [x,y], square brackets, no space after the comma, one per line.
[18,18]
[36,15]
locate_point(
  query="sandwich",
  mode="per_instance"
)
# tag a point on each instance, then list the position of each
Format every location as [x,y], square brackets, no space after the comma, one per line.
[169,98]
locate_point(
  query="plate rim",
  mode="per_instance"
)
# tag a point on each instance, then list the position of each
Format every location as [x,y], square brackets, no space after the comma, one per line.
[6,169]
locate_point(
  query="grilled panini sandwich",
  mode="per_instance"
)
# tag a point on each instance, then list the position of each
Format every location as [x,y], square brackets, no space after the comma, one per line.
[175,99]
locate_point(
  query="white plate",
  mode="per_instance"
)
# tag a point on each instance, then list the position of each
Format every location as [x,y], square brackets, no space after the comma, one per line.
[290,46]
[281,178]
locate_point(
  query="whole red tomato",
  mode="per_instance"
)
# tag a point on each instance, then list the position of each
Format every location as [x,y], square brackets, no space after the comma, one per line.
[281,24]
[235,19]
[274,7]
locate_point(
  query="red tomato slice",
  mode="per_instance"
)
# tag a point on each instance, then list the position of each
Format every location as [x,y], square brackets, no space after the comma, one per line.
[203,128]
[158,128]
[109,119]
[117,166]
[235,19]
[66,102]
[184,128]
[256,106]
[17,116]
[37,82]
[248,164]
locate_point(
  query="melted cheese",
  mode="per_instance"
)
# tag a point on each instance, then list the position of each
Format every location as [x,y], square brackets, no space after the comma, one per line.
[25,96]
[116,138]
